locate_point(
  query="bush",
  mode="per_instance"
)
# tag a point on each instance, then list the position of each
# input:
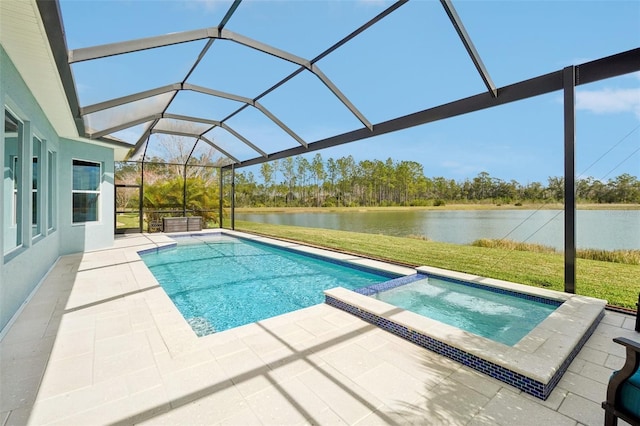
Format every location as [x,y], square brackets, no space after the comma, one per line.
[438,203]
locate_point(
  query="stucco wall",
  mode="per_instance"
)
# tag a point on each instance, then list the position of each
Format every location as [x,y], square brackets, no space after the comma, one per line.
[22,269]
[91,235]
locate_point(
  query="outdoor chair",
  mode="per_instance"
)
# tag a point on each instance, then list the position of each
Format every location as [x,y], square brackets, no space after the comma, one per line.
[623,391]
[638,314]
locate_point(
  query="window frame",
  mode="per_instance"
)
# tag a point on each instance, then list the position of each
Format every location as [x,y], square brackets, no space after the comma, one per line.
[16,197]
[97,192]
[51,201]
[36,161]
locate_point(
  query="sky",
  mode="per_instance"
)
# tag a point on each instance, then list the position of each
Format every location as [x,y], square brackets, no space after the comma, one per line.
[410,61]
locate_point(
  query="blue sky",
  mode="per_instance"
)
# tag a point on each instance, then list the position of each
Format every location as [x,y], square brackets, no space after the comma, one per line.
[410,61]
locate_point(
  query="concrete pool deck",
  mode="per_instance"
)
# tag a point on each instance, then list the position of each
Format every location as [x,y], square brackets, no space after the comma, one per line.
[99,342]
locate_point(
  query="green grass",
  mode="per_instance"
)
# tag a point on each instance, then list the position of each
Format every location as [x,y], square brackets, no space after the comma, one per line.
[127,220]
[513,245]
[615,282]
[632,257]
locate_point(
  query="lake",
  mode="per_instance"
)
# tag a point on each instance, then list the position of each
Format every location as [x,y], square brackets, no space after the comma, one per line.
[598,229]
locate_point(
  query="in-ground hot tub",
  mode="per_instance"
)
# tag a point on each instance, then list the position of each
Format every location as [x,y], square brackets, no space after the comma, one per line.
[534,364]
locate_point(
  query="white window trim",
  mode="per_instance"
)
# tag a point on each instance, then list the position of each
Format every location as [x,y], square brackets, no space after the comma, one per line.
[51,191]
[14,197]
[38,191]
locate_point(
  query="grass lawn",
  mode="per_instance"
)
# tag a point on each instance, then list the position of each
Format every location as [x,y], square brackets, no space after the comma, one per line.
[127,220]
[617,283]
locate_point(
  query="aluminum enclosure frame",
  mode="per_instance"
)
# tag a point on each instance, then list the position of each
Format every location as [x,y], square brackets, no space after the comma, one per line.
[565,79]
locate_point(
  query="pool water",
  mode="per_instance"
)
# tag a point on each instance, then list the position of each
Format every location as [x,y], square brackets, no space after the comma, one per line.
[497,316]
[221,282]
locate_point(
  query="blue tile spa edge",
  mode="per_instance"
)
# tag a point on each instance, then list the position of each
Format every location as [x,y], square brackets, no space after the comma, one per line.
[377,288]
[499,290]
[526,384]
[388,285]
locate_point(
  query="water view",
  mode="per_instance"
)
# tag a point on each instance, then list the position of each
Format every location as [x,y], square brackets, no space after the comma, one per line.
[598,229]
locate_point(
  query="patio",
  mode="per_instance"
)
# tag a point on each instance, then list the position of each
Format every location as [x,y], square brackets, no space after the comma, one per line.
[100,342]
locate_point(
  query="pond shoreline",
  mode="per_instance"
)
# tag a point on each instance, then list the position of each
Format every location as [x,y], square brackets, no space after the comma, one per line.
[450,207]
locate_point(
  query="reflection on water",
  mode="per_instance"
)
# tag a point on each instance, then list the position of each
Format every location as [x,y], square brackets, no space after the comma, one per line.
[600,229]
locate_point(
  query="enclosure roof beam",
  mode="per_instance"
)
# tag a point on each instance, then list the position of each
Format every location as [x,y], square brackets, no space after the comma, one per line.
[175,133]
[89,53]
[189,118]
[608,67]
[213,145]
[246,101]
[129,98]
[611,66]
[361,29]
[129,46]
[265,48]
[194,135]
[215,123]
[246,41]
[280,123]
[468,44]
[217,93]
[141,140]
[199,135]
[229,14]
[243,139]
[334,89]
[338,44]
[99,134]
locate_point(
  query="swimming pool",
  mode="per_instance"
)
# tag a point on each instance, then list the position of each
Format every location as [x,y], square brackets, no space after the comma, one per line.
[534,364]
[219,282]
[500,316]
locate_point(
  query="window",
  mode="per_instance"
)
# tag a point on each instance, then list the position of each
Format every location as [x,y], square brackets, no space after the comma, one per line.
[51,187]
[36,187]
[12,215]
[86,191]
[14,173]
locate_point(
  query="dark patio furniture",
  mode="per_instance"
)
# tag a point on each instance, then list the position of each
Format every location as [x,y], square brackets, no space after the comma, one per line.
[623,391]
[638,314]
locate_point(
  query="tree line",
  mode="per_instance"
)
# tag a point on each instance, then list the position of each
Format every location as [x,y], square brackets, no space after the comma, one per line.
[298,182]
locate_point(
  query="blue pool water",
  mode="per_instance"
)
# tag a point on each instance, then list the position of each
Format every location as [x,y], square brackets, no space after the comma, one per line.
[497,316]
[220,282]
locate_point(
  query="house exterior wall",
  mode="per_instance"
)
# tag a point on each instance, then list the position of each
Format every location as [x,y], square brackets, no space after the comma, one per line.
[24,266]
[80,237]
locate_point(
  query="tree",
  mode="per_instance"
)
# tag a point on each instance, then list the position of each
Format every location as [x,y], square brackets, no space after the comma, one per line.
[302,173]
[266,170]
[555,188]
[318,173]
[332,175]
[626,188]
[346,168]
[287,167]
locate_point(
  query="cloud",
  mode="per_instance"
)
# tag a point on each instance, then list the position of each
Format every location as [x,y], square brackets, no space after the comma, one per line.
[609,101]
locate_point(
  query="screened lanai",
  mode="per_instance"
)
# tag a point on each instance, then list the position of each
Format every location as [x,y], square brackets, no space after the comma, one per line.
[216,87]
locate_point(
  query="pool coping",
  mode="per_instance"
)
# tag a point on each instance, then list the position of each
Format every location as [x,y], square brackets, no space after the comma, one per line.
[534,365]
